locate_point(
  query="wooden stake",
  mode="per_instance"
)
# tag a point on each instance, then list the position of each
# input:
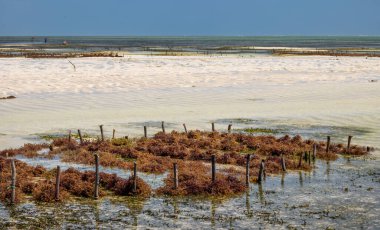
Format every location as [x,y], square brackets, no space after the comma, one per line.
[283,163]
[213,126]
[328,144]
[309,157]
[13,181]
[134,177]
[80,137]
[229,128]
[163,127]
[213,168]
[305,156]
[1,173]
[113,133]
[349,143]
[69,136]
[184,126]
[101,132]
[300,161]
[175,175]
[368,149]
[261,172]
[314,152]
[145,132]
[96,192]
[57,182]
[247,169]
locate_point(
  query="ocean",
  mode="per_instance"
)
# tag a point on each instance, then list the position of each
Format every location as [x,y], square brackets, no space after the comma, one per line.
[328,42]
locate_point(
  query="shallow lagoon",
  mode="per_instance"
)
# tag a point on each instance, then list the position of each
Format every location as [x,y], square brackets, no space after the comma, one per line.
[341,194]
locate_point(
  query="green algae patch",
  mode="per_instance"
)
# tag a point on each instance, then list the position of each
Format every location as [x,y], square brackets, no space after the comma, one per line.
[257,130]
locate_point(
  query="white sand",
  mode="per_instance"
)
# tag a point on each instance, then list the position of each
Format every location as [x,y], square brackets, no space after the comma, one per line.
[29,76]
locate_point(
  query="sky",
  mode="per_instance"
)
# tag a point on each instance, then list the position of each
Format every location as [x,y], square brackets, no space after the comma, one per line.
[189,17]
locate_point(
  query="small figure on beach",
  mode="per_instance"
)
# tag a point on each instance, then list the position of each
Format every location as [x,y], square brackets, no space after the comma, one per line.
[65,42]
[45,40]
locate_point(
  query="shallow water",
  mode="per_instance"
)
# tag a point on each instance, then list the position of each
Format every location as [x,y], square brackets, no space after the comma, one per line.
[312,97]
[343,194]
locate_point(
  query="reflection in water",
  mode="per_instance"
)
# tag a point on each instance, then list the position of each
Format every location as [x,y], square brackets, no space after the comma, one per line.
[328,169]
[174,202]
[261,193]
[95,210]
[213,210]
[282,180]
[248,204]
[135,206]
[300,178]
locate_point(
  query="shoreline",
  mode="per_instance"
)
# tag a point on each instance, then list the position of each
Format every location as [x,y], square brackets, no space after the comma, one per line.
[67,53]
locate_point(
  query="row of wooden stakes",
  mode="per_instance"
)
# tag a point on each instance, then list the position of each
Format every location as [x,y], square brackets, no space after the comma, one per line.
[212,129]
[102,138]
[260,178]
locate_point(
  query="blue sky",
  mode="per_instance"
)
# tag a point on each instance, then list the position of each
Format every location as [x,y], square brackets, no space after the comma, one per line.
[191,17]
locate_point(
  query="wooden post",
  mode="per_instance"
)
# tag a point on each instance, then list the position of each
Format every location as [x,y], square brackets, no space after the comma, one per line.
[213,126]
[113,133]
[184,126]
[328,144]
[305,156]
[1,173]
[368,149]
[349,143]
[261,172]
[247,170]
[314,152]
[300,161]
[213,168]
[57,182]
[163,127]
[69,136]
[283,163]
[309,157]
[175,175]
[264,170]
[145,132]
[80,137]
[134,177]
[229,128]
[13,181]
[101,132]
[96,192]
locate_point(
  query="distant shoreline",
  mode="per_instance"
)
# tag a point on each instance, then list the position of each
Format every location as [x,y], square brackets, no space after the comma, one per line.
[110,46]
[51,53]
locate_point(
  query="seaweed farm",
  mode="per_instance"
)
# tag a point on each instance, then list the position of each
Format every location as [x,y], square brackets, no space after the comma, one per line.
[216,167]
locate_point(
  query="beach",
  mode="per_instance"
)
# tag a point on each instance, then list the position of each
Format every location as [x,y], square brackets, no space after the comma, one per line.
[123,92]
[313,96]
